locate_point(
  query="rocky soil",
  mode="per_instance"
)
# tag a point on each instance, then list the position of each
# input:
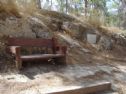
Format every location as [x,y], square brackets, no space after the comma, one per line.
[41,78]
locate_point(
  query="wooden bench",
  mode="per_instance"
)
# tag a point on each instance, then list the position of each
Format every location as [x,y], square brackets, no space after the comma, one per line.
[14,46]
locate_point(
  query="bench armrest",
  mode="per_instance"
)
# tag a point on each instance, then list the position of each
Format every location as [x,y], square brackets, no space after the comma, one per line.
[61,49]
[15,50]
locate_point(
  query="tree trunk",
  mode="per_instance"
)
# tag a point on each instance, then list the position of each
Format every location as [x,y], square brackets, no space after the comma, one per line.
[51,4]
[66,6]
[122,14]
[86,7]
[39,4]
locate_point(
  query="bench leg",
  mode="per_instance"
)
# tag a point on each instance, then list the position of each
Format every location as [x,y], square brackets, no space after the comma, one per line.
[19,64]
[61,60]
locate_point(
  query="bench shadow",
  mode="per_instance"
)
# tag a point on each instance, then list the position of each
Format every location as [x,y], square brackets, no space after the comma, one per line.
[31,69]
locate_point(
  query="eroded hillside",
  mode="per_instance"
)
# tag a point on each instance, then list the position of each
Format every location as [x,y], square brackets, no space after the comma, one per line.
[87,62]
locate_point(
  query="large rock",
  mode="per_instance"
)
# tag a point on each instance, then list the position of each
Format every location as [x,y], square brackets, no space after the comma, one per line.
[120,39]
[40,30]
[78,30]
[16,28]
[106,43]
[27,28]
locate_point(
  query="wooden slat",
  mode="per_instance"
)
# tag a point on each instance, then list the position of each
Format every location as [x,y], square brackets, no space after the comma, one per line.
[88,90]
[41,56]
[30,42]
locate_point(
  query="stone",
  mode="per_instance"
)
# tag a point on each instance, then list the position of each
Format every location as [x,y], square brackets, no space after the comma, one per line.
[105,43]
[92,38]
[65,25]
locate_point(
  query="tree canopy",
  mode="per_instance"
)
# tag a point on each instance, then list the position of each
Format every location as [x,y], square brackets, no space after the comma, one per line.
[113,11]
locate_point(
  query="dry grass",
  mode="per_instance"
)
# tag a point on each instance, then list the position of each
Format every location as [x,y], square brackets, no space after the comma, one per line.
[109,31]
[94,21]
[96,18]
[17,7]
[57,15]
[26,6]
[7,8]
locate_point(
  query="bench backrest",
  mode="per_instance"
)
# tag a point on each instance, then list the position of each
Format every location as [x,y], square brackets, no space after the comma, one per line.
[31,42]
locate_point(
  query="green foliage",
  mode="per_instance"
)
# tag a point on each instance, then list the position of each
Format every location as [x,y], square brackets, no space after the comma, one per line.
[96,10]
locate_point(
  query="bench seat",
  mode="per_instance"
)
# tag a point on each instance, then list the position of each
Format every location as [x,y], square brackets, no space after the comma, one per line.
[40,56]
